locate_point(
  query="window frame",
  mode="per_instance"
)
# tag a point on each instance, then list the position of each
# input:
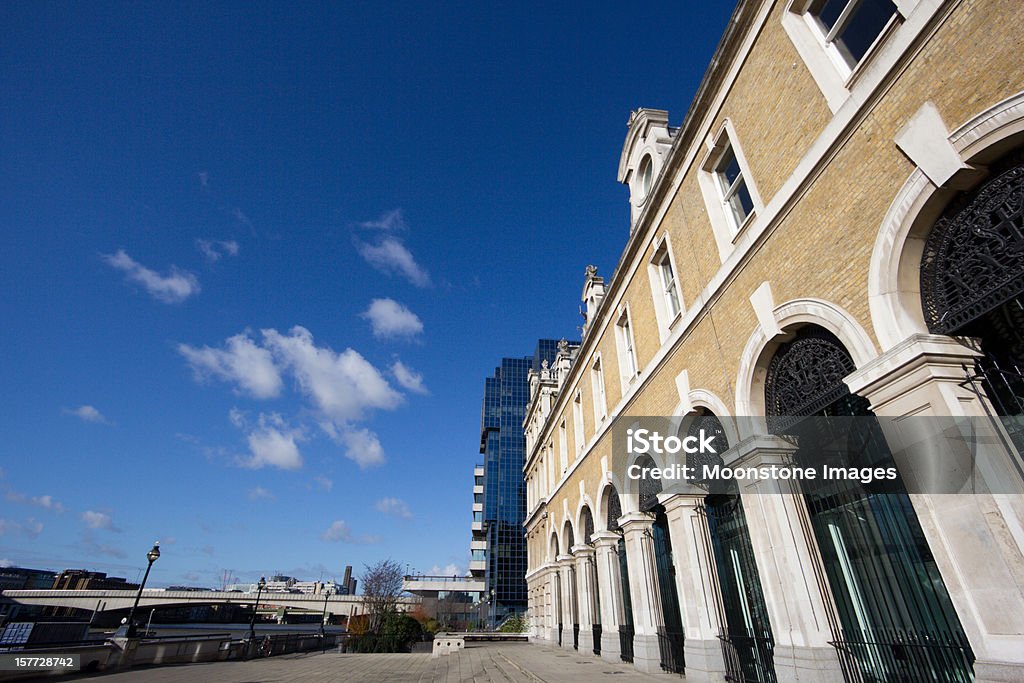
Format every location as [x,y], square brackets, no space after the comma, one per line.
[666,295]
[727,229]
[578,427]
[598,389]
[625,339]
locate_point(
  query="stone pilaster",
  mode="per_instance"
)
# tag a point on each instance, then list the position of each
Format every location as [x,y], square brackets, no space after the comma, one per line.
[795,589]
[567,574]
[698,591]
[584,556]
[643,585]
[608,584]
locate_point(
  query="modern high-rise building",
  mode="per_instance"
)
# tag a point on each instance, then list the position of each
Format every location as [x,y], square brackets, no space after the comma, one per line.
[499,500]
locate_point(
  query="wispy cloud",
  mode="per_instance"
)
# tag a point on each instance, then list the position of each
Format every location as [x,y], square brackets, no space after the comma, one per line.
[94,547]
[393,507]
[86,413]
[174,287]
[391,221]
[99,520]
[30,527]
[389,255]
[390,319]
[340,532]
[323,483]
[204,179]
[408,378]
[46,502]
[260,493]
[214,250]
[241,361]
[450,569]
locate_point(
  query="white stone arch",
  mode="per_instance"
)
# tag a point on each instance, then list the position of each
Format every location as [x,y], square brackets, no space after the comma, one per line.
[703,398]
[585,502]
[601,511]
[568,530]
[793,314]
[553,546]
[894,294]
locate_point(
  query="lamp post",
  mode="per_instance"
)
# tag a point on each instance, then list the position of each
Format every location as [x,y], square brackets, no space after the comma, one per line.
[252,620]
[323,623]
[129,628]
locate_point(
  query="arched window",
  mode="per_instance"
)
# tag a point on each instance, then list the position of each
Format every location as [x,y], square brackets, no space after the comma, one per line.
[972,280]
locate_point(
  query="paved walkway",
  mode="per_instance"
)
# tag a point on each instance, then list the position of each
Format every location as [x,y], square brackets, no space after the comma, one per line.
[478,663]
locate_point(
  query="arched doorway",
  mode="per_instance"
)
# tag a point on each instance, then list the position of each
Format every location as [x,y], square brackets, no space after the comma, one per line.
[746,636]
[626,629]
[895,620]
[972,284]
[670,633]
[587,523]
[556,589]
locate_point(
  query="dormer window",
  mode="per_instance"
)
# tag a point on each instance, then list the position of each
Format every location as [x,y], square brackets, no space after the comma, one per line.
[646,176]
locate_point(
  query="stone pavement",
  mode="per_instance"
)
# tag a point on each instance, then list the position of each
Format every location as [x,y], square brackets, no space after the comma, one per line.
[479,662]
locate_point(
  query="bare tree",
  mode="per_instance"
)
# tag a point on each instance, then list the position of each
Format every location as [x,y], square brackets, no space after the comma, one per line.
[382,586]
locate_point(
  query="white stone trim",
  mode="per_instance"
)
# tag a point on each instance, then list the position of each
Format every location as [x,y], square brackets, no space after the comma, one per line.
[665,318]
[763,302]
[925,141]
[753,362]
[894,295]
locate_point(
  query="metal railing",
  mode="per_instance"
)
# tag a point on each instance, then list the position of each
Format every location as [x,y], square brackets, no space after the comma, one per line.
[904,656]
[597,639]
[670,646]
[626,633]
[748,656]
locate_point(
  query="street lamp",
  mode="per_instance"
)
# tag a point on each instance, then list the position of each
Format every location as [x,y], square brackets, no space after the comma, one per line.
[252,620]
[129,628]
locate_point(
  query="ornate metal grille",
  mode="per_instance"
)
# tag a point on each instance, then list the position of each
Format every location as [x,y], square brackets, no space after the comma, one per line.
[709,424]
[649,486]
[614,509]
[806,376]
[588,526]
[973,260]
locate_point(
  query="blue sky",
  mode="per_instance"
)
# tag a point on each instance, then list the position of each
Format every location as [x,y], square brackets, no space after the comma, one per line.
[258,262]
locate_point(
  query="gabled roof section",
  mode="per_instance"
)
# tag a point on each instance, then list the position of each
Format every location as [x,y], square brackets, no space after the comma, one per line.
[640,123]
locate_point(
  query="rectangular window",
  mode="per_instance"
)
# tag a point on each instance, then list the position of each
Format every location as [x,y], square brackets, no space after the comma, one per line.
[851,27]
[577,423]
[563,447]
[597,384]
[627,353]
[478,497]
[733,187]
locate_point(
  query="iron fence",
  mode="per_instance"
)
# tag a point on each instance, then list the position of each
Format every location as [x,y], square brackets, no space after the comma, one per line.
[877,655]
[626,633]
[670,645]
[748,656]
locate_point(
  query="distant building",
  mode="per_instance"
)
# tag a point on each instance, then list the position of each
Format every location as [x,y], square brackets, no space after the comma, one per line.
[498,549]
[84,580]
[22,578]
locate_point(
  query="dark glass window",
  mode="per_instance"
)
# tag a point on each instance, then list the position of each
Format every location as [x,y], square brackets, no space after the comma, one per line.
[853,25]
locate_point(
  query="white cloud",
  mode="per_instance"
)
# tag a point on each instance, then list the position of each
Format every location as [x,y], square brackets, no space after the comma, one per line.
[362,446]
[260,493]
[391,221]
[395,507]
[204,178]
[86,413]
[340,532]
[323,483]
[243,362]
[214,250]
[46,502]
[392,319]
[408,378]
[98,520]
[273,446]
[172,288]
[343,386]
[4,562]
[391,257]
[450,569]
[94,547]
[30,527]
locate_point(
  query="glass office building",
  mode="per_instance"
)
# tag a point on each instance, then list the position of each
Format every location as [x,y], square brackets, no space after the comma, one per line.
[503,446]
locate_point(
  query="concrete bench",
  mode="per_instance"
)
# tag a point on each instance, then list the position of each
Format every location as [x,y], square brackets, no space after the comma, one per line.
[447,643]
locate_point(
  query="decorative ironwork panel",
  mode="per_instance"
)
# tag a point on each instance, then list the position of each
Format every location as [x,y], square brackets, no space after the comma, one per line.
[709,424]
[806,375]
[649,486]
[588,526]
[973,260]
[614,509]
